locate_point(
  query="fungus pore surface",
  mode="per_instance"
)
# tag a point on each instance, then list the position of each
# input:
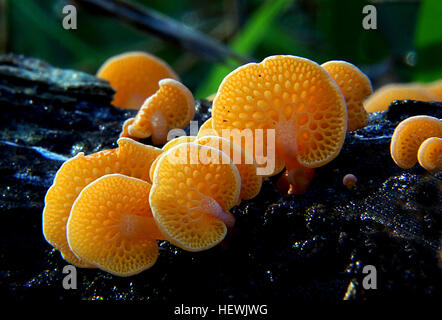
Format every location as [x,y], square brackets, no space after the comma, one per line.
[194,186]
[430,154]
[355,86]
[206,129]
[167,146]
[250,181]
[111,225]
[294,96]
[130,158]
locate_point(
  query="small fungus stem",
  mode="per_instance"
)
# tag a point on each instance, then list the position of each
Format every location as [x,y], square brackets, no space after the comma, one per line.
[225,216]
[300,179]
[212,207]
[286,145]
[296,179]
[158,122]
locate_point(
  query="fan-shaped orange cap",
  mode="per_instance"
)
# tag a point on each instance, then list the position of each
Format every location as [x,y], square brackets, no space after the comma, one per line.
[355,86]
[429,154]
[409,135]
[382,97]
[293,95]
[250,181]
[194,187]
[134,76]
[131,158]
[111,225]
[435,88]
[172,106]
[206,129]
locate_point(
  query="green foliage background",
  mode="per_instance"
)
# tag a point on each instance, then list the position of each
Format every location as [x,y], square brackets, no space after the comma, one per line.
[407,45]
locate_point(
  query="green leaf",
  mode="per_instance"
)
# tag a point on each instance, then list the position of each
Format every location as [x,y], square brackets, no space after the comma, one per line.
[428,42]
[429,25]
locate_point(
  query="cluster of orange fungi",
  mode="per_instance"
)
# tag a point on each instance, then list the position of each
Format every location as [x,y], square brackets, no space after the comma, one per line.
[418,139]
[108,209]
